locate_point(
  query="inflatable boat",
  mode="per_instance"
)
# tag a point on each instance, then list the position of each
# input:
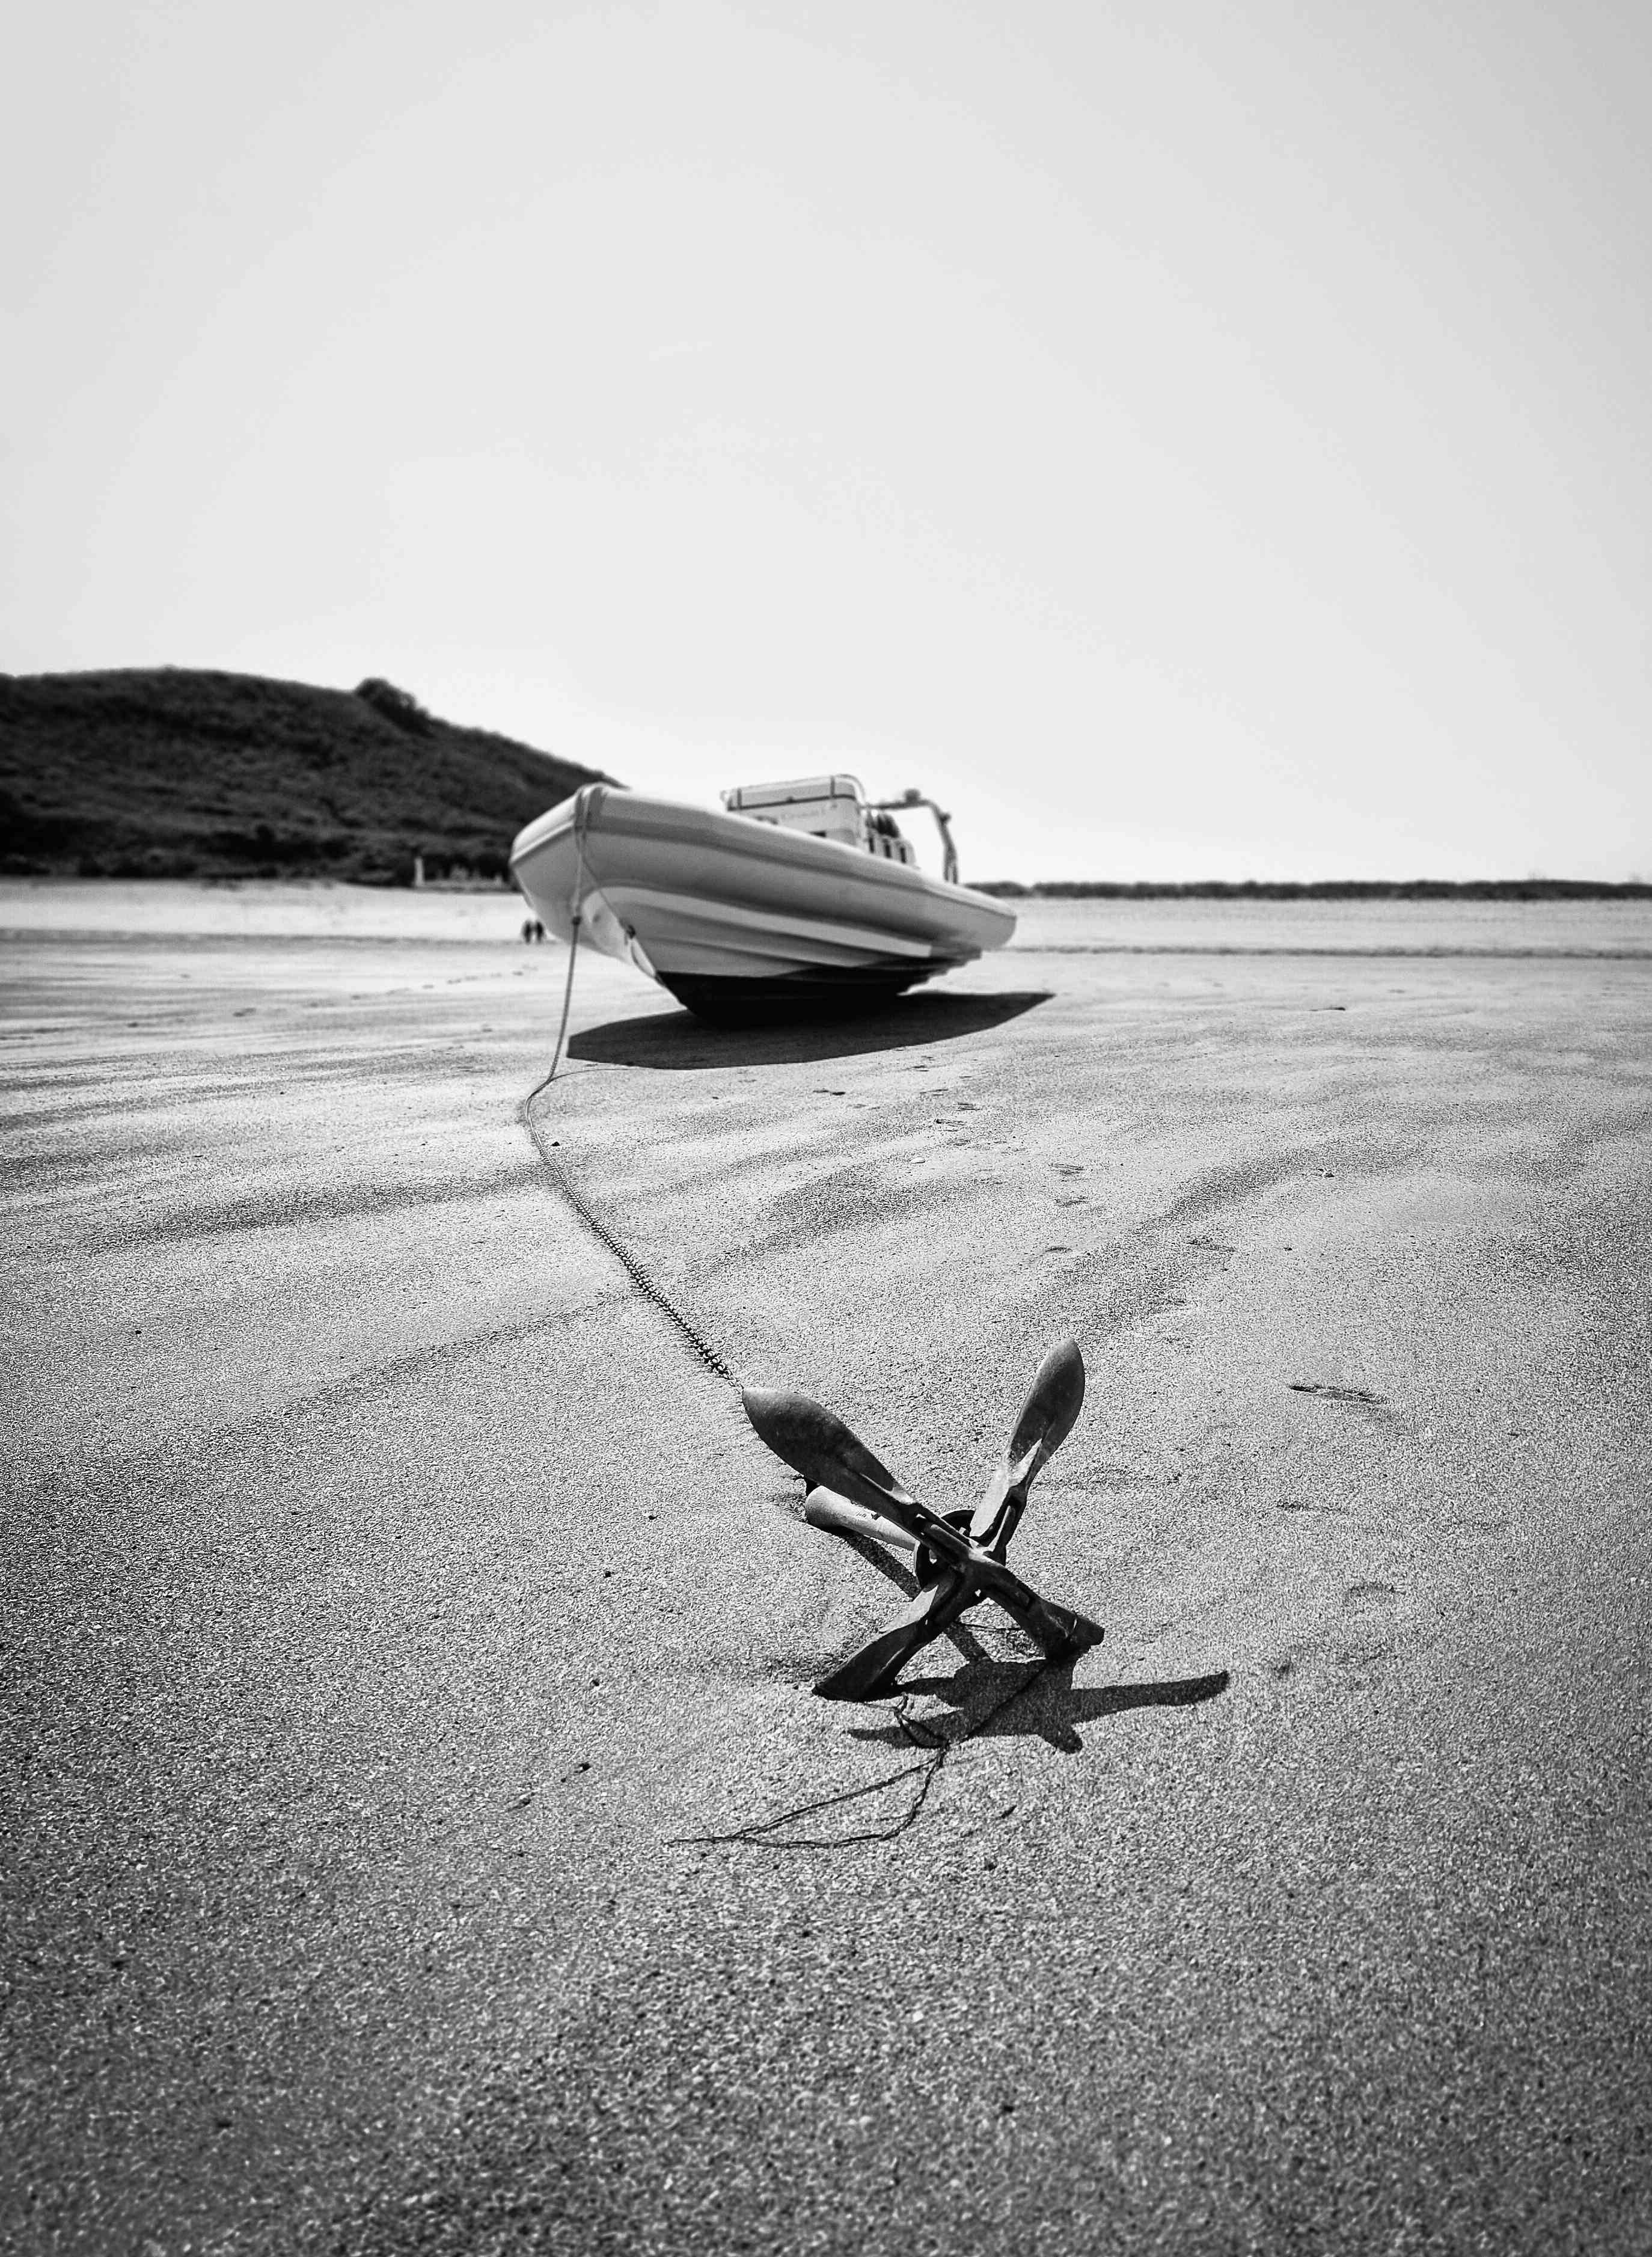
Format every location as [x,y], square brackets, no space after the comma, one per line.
[797,898]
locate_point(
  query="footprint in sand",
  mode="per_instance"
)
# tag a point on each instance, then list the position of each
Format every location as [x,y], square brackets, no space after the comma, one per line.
[1330,1394]
[1369,1638]
[1365,1639]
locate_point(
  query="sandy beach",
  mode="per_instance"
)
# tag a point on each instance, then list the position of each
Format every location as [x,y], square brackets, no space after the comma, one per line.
[424,1836]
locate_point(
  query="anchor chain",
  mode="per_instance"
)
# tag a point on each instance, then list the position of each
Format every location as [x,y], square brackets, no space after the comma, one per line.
[629,1261]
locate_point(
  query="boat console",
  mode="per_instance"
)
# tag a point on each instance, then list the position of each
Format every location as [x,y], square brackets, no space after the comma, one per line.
[825,807]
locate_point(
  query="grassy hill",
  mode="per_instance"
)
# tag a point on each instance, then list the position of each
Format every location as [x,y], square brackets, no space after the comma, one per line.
[169,773]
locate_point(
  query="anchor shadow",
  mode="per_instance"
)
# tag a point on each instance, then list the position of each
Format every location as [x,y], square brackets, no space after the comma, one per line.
[1011,1698]
[677,1042]
[993,1699]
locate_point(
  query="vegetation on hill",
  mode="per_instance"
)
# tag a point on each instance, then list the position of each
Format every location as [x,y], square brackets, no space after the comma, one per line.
[170,773]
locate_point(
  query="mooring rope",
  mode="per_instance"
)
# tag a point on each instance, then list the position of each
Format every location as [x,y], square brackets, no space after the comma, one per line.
[576,913]
[549,1153]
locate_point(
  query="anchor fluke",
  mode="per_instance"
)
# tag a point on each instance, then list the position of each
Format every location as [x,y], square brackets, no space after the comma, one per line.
[871,1673]
[1046,1419]
[815,1443]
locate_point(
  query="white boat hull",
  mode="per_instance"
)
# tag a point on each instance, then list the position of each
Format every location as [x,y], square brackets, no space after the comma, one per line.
[740,918]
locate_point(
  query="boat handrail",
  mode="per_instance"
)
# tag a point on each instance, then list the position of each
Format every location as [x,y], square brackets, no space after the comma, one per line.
[913,798]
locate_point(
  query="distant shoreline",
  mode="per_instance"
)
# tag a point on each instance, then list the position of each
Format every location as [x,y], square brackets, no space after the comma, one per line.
[1321,889]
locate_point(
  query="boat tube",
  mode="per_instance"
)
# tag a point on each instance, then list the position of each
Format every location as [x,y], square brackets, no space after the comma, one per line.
[798,899]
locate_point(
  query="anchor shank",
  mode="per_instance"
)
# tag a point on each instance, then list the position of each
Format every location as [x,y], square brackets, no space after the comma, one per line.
[822,1508]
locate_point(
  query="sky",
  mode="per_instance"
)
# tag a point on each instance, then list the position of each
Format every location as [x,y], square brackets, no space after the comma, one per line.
[1189,441]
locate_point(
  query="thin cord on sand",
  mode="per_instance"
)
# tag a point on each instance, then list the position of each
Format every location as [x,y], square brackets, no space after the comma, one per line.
[765,1834]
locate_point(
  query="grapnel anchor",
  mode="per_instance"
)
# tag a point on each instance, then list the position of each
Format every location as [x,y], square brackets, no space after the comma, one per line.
[959,1558]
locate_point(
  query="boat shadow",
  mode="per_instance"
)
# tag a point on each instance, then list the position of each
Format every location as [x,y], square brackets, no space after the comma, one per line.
[677,1041]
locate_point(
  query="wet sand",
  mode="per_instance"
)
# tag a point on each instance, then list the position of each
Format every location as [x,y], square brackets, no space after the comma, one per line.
[425,1836]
